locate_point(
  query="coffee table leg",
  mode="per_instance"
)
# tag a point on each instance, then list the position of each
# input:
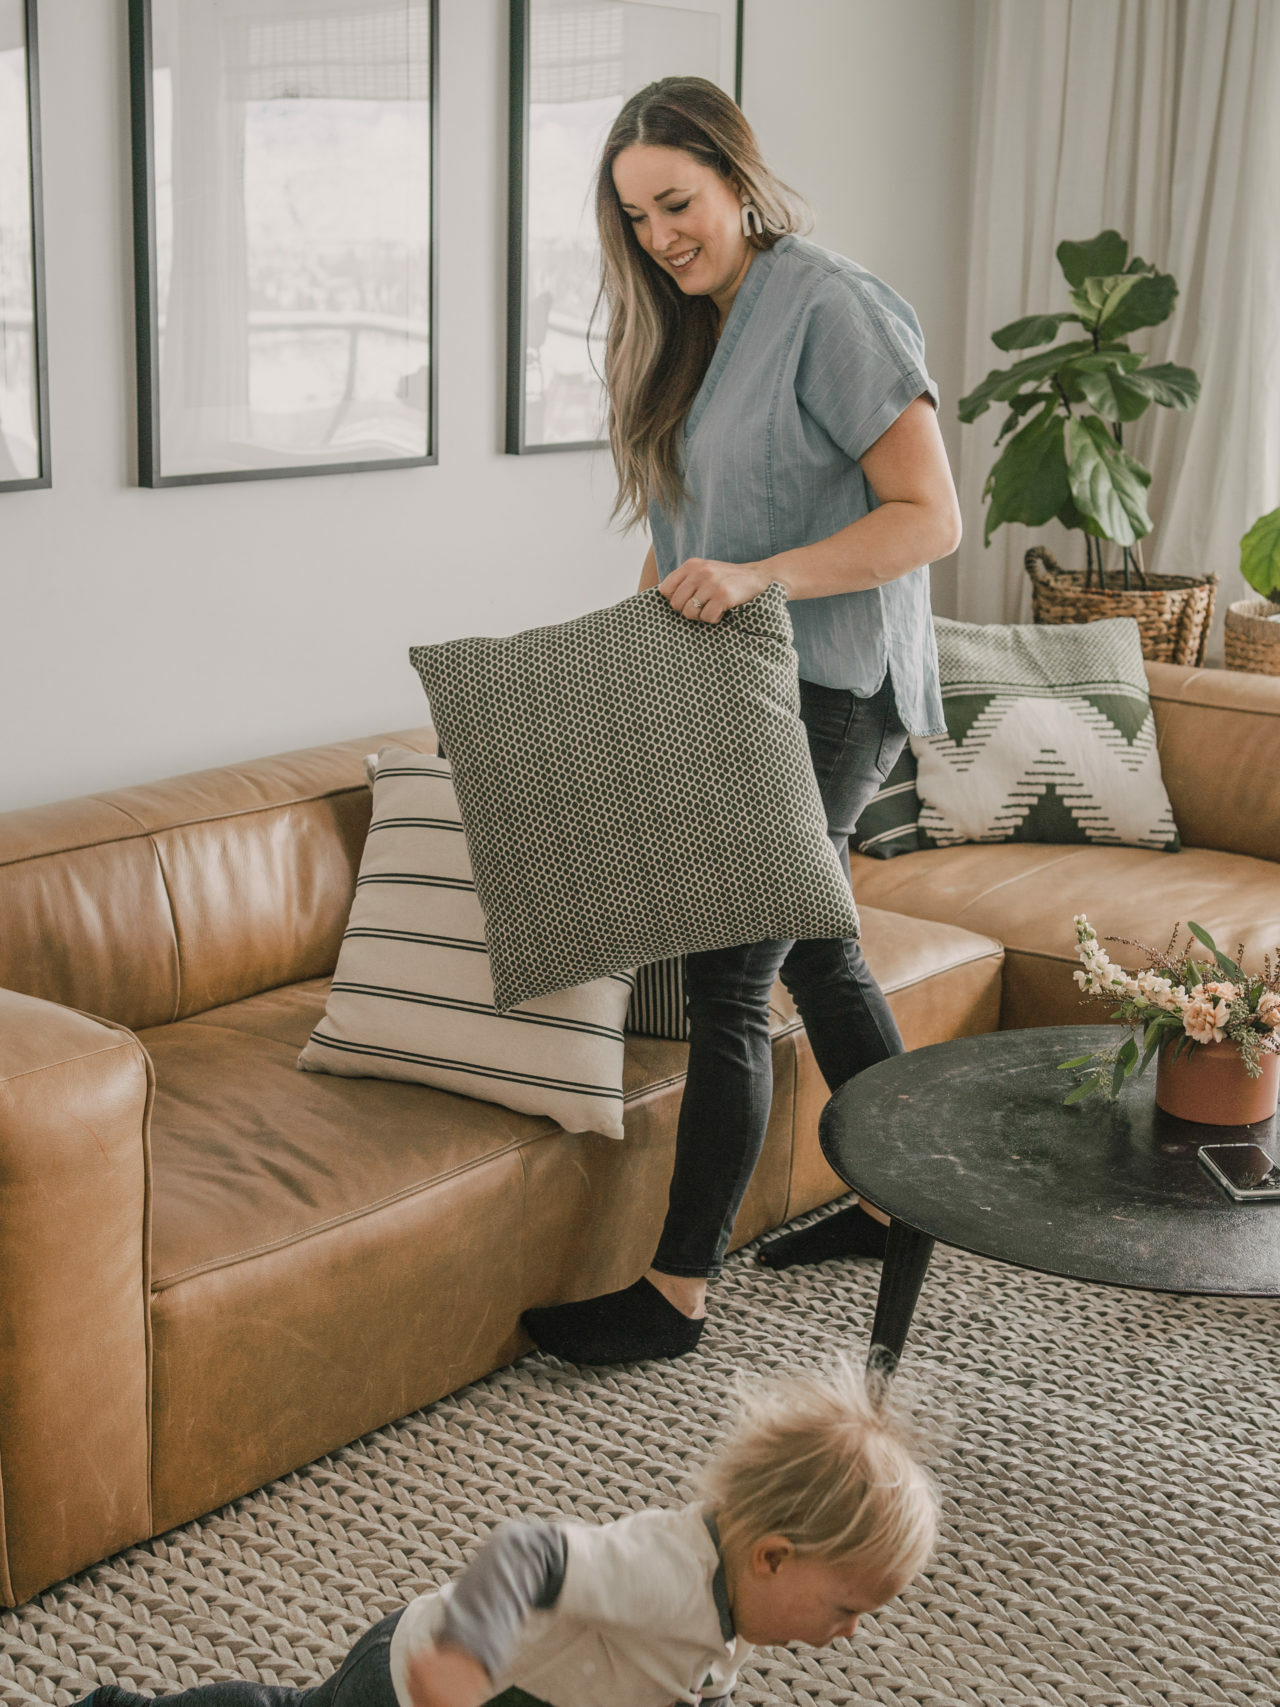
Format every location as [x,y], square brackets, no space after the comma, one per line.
[906,1259]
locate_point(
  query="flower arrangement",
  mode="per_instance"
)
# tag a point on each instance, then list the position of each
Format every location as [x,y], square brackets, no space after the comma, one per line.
[1176,1000]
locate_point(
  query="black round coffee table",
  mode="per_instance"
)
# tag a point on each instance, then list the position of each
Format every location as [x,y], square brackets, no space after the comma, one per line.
[968,1142]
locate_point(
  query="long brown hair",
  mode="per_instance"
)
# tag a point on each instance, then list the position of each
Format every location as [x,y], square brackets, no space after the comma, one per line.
[660,341]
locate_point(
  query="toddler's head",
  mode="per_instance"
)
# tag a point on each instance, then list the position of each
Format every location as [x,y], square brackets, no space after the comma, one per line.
[824,1506]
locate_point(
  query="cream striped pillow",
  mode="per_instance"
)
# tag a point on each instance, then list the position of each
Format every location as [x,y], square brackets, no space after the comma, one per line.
[412,995]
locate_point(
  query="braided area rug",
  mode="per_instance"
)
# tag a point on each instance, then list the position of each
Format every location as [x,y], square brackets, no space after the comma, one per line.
[1111,1489]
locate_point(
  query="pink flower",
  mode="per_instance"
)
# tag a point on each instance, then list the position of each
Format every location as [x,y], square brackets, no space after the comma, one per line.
[1204,1020]
[1269,1010]
[1221,992]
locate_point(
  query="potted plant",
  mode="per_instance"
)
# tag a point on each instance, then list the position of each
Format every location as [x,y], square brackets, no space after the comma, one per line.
[1064,455]
[1252,629]
[1214,1028]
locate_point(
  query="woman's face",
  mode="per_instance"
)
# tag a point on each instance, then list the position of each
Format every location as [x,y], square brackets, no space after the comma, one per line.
[686,217]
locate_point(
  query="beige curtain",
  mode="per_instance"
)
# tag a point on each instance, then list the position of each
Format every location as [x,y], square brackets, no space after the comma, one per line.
[1160,118]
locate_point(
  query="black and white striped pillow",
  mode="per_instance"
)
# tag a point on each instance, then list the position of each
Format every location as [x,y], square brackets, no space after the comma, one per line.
[412,995]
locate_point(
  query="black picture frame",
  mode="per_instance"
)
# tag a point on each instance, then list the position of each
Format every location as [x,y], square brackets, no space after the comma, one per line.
[157,464]
[526,435]
[36,331]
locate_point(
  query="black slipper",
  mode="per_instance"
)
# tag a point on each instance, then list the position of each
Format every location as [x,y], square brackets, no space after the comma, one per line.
[617,1327]
[848,1233]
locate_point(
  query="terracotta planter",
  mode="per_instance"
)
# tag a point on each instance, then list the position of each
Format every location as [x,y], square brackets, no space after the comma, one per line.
[1209,1084]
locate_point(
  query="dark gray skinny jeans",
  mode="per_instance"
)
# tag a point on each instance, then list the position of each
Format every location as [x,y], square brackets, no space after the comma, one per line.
[362,1680]
[854,743]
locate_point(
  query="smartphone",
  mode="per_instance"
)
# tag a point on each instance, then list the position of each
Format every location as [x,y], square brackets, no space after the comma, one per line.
[1245,1171]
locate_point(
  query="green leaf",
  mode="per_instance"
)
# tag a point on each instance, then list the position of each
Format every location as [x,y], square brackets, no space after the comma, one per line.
[1138,265]
[1104,254]
[1003,383]
[1089,1088]
[1100,299]
[1169,385]
[1118,1075]
[1128,1053]
[1034,329]
[1020,406]
[1149,302]
[1029,482]
[1113,396]
[1112,358]
[1076,1061]
[1107,485]
[1225,964]
[1260,555]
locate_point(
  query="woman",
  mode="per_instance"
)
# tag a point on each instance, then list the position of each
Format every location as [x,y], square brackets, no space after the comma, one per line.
[772,420]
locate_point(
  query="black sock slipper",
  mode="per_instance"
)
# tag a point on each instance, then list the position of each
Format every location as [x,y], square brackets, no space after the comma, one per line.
[617,1327]
[848,1233]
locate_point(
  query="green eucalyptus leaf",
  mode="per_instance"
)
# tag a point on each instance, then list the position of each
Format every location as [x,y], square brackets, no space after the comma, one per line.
[1224,962]
[1075,1061]
[1104,254]
[1029,482]
[1118,1074]
[1003,383]
[1027,333]
[1260,556]
[1107,486]
[1089,1088]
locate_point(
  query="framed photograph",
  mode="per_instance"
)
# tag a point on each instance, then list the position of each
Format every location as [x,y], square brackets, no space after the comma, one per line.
[284,196]
[24,366]
[573,65]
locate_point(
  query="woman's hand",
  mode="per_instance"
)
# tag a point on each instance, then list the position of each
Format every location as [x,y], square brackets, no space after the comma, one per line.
[703,589]
[447,1676]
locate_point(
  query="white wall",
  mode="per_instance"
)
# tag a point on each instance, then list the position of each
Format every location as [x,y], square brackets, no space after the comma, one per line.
[148,632]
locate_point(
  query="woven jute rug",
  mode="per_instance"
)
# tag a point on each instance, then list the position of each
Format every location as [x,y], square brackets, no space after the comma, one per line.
[1111,1482]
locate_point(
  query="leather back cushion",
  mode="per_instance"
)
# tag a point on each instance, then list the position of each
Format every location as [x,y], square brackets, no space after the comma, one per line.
[1219,734]
[146,905]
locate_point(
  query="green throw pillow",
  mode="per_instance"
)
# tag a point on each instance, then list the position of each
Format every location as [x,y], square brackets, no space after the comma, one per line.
[888,825]
[635,786]
[1050,738]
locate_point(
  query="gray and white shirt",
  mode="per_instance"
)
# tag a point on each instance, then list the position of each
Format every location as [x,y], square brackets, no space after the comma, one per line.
[817,359]
[627,1614]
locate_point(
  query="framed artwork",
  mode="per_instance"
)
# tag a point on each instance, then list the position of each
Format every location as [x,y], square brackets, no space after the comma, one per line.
[24,365]
[284,197]
[573,65]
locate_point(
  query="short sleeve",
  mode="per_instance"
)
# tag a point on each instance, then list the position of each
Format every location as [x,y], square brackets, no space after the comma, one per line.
[861,360]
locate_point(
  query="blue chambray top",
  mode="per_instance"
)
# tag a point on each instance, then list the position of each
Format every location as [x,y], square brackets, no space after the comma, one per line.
[817,359]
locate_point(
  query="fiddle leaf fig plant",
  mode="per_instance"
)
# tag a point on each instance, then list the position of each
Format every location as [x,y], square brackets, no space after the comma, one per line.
[1260,556]
[1064,458]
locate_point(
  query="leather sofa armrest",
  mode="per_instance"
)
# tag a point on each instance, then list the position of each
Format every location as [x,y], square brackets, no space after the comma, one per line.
[75,1101]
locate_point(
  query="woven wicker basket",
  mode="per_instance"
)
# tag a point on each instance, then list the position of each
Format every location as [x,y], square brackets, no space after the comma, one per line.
[1251,642]
[1173,612]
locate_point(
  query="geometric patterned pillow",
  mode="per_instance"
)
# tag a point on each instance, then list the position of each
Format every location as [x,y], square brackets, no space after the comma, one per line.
[887,825]
[1050,738]
[635,786]
[412,997]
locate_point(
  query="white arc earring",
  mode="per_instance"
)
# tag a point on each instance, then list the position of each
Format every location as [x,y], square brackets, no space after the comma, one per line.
[751,220]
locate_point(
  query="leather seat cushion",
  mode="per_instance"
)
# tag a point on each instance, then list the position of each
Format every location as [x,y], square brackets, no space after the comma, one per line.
[1028,895]
[249,1154]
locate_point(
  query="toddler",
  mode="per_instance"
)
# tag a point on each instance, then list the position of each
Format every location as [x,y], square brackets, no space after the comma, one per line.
[815,1510]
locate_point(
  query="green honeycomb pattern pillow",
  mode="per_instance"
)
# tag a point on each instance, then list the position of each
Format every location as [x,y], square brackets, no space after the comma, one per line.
[634,786]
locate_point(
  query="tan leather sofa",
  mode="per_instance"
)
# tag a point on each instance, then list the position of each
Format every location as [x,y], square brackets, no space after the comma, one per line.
[1219,736]
[214,1267]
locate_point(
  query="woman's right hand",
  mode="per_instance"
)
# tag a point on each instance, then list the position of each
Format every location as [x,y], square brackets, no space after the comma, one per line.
[447,1676]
